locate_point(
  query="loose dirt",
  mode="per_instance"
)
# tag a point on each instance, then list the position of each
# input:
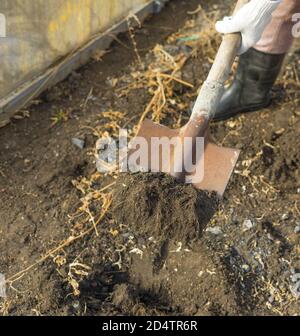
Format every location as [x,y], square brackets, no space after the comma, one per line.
[157,206]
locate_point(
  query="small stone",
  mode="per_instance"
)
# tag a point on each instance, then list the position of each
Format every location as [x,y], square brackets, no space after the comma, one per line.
[216,230]
[247,225]
[295,287]
[200,274]
[78,143]
[295,290]
[285,217]
[137,251]
[295,277]
[76,304]
[246,268]
[126,235]
[271,299]
[297,229]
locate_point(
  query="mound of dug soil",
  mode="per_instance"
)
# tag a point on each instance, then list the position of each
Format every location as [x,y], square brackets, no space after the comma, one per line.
[156,205]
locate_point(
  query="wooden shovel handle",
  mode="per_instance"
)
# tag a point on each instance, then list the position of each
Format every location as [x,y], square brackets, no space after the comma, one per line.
[227,53]
[212,90]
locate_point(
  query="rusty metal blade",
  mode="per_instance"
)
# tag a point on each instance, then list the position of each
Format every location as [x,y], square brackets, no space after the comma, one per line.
[216,168]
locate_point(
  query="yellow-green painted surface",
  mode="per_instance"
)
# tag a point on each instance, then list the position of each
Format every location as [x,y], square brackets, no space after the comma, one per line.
[39,32]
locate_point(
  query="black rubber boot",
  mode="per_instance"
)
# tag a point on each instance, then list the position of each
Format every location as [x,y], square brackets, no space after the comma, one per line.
[251,88]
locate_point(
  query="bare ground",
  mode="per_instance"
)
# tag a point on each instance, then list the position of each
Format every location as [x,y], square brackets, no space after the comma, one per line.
[62,250]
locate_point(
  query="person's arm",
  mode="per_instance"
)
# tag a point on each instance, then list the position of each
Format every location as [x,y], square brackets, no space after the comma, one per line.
[251,20]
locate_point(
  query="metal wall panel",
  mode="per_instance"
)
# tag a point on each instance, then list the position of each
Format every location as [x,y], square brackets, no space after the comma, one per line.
[40,32]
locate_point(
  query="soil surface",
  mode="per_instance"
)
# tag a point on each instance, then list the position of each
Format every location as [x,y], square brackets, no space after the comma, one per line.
[69,246]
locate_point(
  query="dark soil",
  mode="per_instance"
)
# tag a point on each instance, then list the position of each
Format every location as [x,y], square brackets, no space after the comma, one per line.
[156,205]
[246,259]
[161,291]
[285,171]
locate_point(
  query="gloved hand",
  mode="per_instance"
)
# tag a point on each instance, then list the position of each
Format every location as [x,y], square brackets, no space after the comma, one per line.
[251,20]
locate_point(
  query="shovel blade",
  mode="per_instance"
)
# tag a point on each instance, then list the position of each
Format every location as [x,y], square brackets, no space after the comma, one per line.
[219,163]
[211,173]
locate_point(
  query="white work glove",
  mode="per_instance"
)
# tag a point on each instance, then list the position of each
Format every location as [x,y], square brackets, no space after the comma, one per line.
[251,21]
